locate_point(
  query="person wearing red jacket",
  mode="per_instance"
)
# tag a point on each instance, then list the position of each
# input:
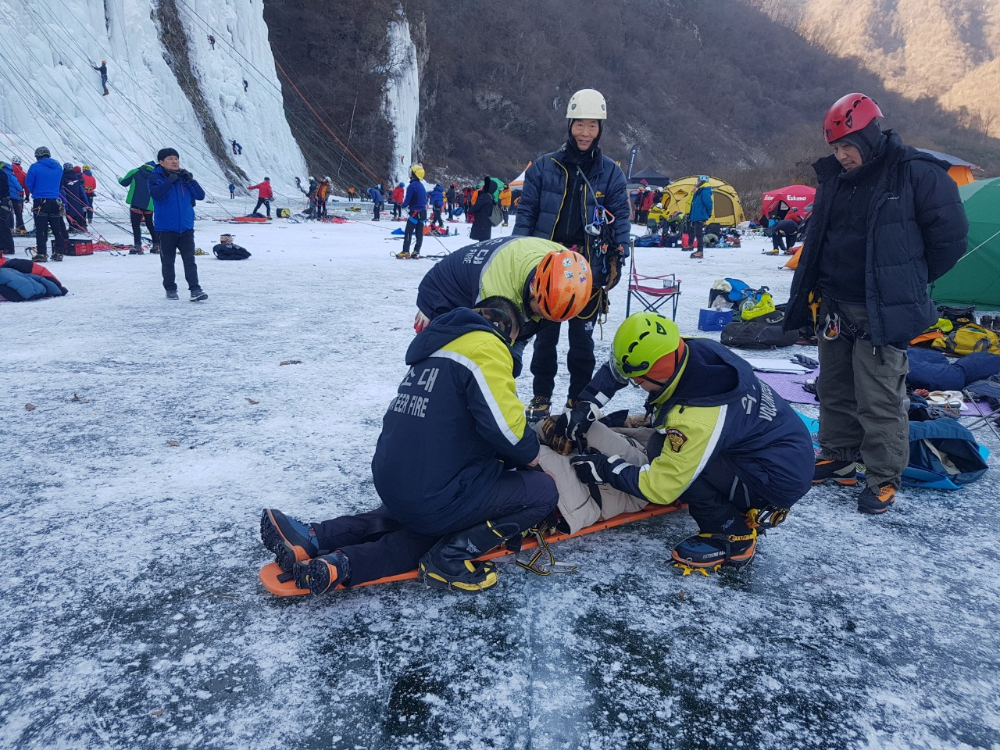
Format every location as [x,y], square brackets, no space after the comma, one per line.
[398,193]
[264,195]
[89,189]
[19,205]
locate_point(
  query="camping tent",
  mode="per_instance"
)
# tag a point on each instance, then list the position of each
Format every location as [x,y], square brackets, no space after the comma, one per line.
[677,195]
[975,279]
[518,182]
[960,170]
[651,176]
[787,198]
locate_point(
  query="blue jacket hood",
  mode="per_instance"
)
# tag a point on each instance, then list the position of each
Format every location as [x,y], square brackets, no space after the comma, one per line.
[446,328]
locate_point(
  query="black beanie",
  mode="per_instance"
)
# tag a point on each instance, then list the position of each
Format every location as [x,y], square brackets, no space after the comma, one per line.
[163,153]
[865,140]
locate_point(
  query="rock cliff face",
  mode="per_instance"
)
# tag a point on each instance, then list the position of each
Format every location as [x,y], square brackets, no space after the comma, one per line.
[727,86]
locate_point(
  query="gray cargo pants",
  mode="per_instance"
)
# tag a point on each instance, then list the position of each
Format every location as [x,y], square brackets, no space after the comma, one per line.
[861,390]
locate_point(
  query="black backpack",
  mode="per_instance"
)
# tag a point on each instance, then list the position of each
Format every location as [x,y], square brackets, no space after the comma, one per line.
[761,333]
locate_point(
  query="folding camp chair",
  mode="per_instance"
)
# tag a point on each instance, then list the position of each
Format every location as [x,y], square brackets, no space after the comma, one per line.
[652,292]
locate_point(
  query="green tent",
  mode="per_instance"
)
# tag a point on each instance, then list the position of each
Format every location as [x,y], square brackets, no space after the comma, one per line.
[975,279]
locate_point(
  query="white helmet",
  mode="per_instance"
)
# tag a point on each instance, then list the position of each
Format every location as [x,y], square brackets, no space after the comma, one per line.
[587,104]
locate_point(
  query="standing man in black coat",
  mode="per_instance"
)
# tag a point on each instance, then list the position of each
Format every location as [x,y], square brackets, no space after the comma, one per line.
[888,221]
[482,213]
[577,197]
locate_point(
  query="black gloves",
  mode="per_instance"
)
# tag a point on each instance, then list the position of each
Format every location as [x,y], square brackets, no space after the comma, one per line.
[173,176]
[185,175]
[574,425]
[595,467]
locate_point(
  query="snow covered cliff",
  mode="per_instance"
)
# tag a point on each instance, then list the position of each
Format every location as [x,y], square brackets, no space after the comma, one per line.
[167,87]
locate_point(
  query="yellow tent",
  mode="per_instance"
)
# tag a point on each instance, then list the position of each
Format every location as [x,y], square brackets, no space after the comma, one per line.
[727,209]
[959,170]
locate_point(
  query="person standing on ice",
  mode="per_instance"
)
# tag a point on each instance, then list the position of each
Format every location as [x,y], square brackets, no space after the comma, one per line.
[74,197]
[577,197]
[175,191]
[43,182]
[441,469]
[9,188]
[19,204]
[452,196]
[232,191]
[887,221]
[482,213]
[264,196]
[701,211]
[103,70]
[378,201]
[90,188]
[140,206]
[398,193]
[415,203]
[436,199]
[726,444]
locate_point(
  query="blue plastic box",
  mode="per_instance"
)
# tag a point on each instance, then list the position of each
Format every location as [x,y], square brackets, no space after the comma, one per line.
[713,320]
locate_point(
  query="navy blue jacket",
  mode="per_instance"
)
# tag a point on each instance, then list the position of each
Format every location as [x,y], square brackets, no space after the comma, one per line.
[544,195]
[173,202]
[437,197]
[455,422]
[13,186]
[917,230]
[44,178]
[416,196]
[376,195]
[73,194]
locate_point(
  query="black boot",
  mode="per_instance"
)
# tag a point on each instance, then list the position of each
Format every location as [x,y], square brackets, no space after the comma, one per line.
[450,563]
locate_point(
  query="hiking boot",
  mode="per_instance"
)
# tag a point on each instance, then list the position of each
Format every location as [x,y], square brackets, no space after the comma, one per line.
[878,500]
[538,408]
[155,250]
[835,472]
[197,295]
[415,256]
[402,255]
[697,254]
[173,294]
[705,550]
[773,251]
[449,564]
[766,518]
[290,540]
[39,258]
[56,257]
[323,573]
[136,250]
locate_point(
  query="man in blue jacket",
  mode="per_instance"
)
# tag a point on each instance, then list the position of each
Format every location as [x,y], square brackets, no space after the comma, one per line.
[174,192]
[887,221]
[450,468]
[10,192]
[415,203]
[44,180]
[378,200]
[437,204]
[701,211]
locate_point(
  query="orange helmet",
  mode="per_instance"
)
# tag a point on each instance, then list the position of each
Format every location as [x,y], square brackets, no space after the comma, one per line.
[562,285]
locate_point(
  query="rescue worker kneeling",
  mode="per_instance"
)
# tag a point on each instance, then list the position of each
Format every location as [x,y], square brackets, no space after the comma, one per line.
[451,468]
[725,443]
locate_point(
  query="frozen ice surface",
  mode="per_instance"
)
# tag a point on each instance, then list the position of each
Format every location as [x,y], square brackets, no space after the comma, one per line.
[132,616]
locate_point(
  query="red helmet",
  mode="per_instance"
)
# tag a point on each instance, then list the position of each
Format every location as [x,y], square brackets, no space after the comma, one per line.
[562,285]
[849,114]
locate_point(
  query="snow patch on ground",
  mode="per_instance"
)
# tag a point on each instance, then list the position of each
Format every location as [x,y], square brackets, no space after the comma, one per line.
[132,615]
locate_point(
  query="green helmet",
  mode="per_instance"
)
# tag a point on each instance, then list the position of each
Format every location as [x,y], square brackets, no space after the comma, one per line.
[640,341]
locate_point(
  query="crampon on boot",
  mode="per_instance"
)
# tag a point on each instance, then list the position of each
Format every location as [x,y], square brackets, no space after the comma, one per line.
[291,541]
[323,573]
[538,408]
[706,552]
[835,472]
[766,518]
[450,564]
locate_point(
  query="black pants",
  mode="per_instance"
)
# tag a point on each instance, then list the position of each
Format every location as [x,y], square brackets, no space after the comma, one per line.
[6,222]
[376,211]
[48,213]
[376,544]
[505,212]
[544,360]
[138,216]
[172,243]
[18,207]
[697,234]
[437,220]
[417,228]
[397,210]
[266,202]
